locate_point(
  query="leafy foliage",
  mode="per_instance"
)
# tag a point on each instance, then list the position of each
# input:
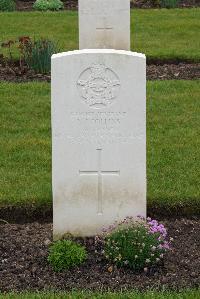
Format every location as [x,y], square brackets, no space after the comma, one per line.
[137,244]
[65,254]
[48,5]
[7,5]
[37,54]
[169,3]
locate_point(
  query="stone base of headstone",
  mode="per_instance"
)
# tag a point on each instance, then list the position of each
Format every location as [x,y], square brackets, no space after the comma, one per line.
[98,139]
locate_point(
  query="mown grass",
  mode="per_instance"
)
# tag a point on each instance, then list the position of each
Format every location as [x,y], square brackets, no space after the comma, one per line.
[188,294]
[159,33]
[173,143]
[25,157]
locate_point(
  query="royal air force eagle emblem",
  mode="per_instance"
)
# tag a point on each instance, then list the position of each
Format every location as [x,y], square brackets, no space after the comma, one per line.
[98,85]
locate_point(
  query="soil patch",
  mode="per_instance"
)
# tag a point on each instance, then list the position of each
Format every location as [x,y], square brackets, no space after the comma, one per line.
[16,74]
[179,71]
[24,5]
[24,266]
[44,214]
[27,5]
[187,71]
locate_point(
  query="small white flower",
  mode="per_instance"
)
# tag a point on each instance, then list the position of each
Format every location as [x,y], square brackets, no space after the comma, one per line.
[145,269]
[148,261]
[136,256]
[157,259]
[153,248]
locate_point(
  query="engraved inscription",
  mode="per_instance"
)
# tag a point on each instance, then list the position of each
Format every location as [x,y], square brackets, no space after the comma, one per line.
[99,86]
[99,172]
[99,128]
[99,117]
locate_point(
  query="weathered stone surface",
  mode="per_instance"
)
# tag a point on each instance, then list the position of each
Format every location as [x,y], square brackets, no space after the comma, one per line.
[99,139]
[104,24]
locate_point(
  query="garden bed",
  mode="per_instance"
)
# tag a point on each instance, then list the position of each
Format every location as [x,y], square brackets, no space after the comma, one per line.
[186,71]
[73,4]
[24,266]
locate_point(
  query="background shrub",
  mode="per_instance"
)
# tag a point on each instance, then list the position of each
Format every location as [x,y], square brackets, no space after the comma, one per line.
[135,244]
[37,54]
[169,3]
[7,5]
[65,254]
[48,5]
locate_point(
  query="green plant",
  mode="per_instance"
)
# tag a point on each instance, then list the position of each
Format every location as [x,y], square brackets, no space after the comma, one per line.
[65,254]
[7,5]
[136,244]
[37,54]
[169,3]
[48,5]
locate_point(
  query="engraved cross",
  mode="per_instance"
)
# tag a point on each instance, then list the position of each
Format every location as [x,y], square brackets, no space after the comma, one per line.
[105,29]
[99,172]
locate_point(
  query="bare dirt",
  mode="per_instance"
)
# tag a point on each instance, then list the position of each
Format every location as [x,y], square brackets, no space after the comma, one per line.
[24,266]
[187,71]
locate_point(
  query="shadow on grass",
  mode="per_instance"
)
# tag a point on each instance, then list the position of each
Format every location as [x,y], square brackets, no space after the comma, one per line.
[44,213]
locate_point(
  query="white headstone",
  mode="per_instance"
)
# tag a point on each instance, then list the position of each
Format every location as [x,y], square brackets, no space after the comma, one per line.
[99,139]
[104,24]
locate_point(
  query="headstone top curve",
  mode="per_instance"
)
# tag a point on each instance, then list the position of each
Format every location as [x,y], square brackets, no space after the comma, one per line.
[98,51]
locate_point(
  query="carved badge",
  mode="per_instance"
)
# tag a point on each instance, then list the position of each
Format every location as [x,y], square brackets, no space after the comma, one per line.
[98,85]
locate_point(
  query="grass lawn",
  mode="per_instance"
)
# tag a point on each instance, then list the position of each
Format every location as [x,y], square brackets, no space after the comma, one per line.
[173,143]
[159,33]
[188,294]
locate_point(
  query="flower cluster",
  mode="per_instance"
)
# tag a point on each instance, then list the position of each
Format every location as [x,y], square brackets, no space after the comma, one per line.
[135,243]
[156,228]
